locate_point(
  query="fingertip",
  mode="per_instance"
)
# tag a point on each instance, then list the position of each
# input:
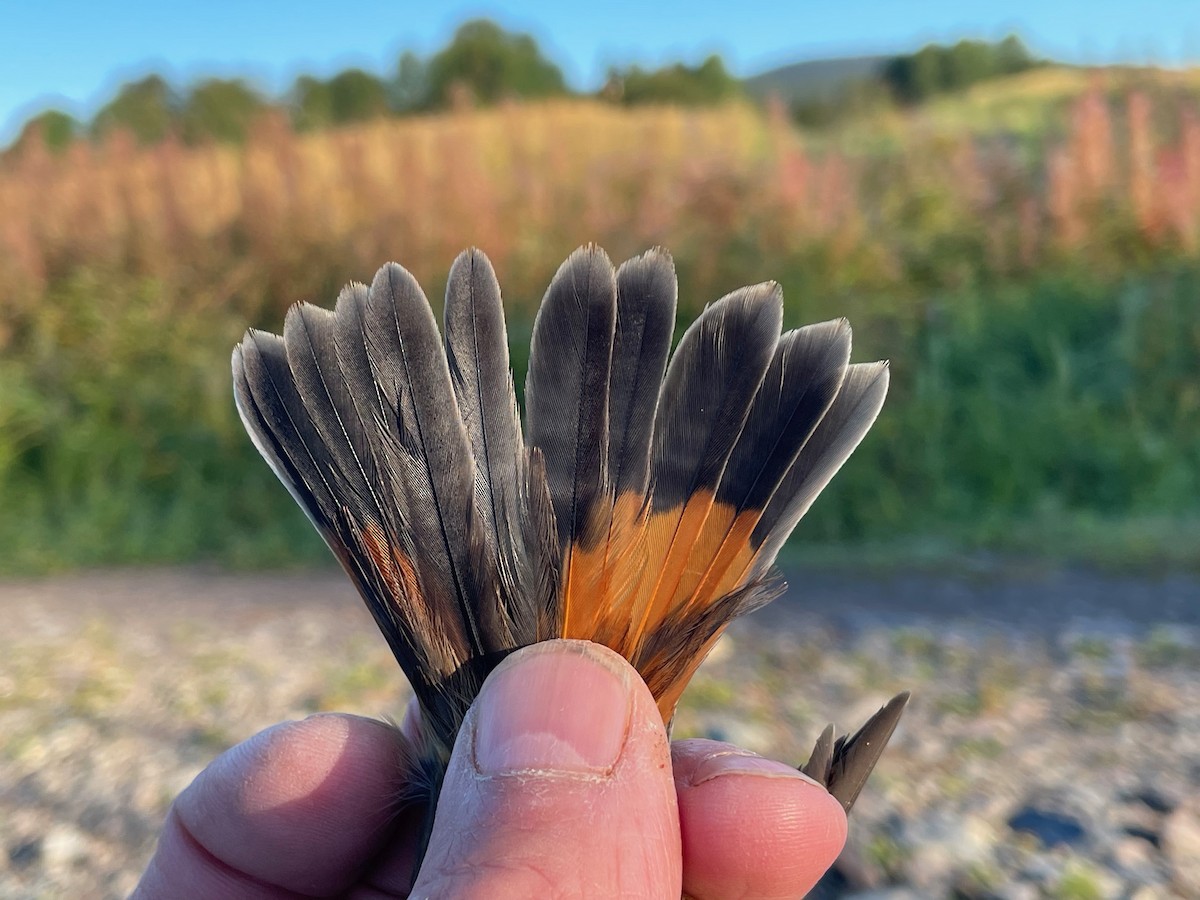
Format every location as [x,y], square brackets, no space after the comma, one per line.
[529,716]
[562,770]
[181,864]
[303,805]
[752,826]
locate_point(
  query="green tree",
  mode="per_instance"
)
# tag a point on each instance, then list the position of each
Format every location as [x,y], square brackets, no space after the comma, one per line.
[54,128]
[219,109]
[349,96]
[966,63]
[709,82]
[1013,56]
[356,96]
[927,73]
[147,108]
[491,63]
[312,103]
[410,86]
[936,69]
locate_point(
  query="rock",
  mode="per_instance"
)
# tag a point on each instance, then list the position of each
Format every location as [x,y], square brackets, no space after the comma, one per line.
[832,886]
[942,850]
[750,735]
[850,875]
[1151,892]
[969,885]
[1155,799]
[854,872]
[25,853]
[63,847]
[1136,861]
[1018,890]
[1133,852]
[1139,821]
[1181,846]
[1041,870]
[1051,828]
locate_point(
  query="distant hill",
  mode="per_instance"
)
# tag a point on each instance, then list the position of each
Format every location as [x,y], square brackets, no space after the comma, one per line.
[817,79]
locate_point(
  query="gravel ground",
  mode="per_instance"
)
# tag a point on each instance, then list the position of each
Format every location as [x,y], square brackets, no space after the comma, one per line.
[1052,748]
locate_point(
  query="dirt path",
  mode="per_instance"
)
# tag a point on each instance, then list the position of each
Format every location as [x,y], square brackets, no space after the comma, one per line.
[1010,596]
[1041,695]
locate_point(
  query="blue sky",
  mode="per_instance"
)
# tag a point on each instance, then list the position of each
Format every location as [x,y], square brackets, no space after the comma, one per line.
[74,55]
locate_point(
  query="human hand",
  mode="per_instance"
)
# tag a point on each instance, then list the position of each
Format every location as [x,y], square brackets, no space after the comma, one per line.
[562,784]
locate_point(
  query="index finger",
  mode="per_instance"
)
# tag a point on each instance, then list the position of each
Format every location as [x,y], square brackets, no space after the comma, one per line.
[751,827]
[301,808]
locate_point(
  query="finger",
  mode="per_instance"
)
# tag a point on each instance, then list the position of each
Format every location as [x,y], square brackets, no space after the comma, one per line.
[559,785]
[751,827]
[299,808]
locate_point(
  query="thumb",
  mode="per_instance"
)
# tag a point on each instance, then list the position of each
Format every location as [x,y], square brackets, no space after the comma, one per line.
[560,785]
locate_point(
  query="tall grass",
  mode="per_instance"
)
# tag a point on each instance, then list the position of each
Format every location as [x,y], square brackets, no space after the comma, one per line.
[1038,303]
[291,216]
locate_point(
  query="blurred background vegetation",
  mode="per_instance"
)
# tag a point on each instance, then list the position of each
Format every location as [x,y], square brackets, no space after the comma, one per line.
[1021,238]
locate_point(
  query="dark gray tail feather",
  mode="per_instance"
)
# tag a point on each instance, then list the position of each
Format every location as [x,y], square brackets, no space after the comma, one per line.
[717,368]
[845,423]
[803,379]
[358,415]
[566,388]
[508,486]
[646,299]
[843,765]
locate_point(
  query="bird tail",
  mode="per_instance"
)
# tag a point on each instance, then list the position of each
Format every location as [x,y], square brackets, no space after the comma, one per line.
[641,507]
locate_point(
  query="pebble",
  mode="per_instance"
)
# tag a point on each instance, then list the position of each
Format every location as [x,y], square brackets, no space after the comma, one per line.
[62,847]
[1051,827]
[1181,846]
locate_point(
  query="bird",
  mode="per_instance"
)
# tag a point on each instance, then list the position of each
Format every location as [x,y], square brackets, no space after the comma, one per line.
[640,503]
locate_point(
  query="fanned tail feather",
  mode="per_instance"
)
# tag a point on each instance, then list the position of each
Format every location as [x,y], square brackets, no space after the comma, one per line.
[566,396]
[646,298]
[842,428]
[805,374]
[427,450]
[843,765]
[308,337]
[705,399]
[643,508]
[510,492]
[355,412]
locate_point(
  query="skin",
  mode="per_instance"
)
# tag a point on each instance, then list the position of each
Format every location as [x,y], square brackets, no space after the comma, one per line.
[562,784]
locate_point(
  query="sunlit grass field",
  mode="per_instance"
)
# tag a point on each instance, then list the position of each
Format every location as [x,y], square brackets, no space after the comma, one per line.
[1034,287]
